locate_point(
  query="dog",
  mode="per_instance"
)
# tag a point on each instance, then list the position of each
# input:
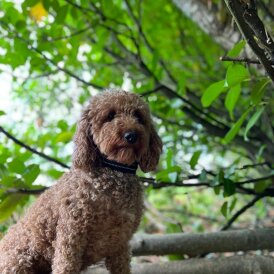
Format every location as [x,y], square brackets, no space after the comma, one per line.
[93,210]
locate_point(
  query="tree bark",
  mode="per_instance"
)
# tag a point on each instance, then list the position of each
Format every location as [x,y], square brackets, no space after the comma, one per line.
[200,243]
[236,264]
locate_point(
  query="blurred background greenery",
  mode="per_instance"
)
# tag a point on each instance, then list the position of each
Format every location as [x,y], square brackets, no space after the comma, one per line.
[215,118]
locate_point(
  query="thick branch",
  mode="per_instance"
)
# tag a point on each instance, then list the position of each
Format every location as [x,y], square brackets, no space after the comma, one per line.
[200,243]
[254,32]
[236,264]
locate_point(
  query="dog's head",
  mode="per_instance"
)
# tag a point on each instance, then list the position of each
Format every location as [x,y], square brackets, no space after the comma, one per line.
[117,125]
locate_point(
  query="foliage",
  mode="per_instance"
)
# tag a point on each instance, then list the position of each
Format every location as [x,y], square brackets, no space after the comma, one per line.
[214,117]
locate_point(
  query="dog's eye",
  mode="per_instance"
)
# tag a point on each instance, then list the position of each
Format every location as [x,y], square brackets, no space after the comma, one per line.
[110,116]
[139,117]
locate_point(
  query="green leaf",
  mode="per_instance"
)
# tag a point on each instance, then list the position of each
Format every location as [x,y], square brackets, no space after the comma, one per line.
[167,174]
[32,172]
[224,209]
[217,190]
[64,137]
[62,124]
[2,112]
[181,87]
[56,6]
[220,177]
[203,175]
[195,158]
[46,4]
[235,74]
[61,14]
[172,176]
[169,158]
[3,171]
[233,204]
[252,121]
[16,166]
[155,61]
[20,47]
[12,15]
[8,181]
[236,50]
[235,128]
[20,25]
[9,204]
[212,93]
[15,60]
[232,98]
[54,173]
[30,3]
[259,187]
[229,187]
[258,90]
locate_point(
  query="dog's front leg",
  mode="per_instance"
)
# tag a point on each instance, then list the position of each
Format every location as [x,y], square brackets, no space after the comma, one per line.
[69,247]
[119,264]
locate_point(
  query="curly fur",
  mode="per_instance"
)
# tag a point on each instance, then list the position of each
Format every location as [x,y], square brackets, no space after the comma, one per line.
[92,212]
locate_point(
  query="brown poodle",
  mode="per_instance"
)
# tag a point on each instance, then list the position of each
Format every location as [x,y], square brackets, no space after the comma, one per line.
[93,210]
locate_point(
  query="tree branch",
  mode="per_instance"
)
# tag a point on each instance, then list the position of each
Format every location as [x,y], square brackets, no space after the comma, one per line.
[41,154]
[200,243]
[76,33]
[184,183]
[245,264]
[241,60]
[241,211]
[254,32]
[26,191]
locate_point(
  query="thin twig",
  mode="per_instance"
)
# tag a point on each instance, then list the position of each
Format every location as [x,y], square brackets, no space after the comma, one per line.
[76,33]
[241,211]
[254,180]
[41,154]
[254,165]
[26,191]
[242,60]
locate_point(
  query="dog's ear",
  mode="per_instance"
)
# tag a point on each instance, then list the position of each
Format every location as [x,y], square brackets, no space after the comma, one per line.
[150,159]
[85,152]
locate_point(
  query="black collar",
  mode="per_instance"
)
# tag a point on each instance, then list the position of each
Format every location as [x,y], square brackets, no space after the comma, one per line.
[119,167]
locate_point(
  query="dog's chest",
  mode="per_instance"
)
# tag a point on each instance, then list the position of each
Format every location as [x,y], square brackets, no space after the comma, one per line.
[115,218]
[109,234]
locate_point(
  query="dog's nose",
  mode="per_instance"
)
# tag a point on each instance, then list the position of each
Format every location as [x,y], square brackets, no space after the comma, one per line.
[131,137]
